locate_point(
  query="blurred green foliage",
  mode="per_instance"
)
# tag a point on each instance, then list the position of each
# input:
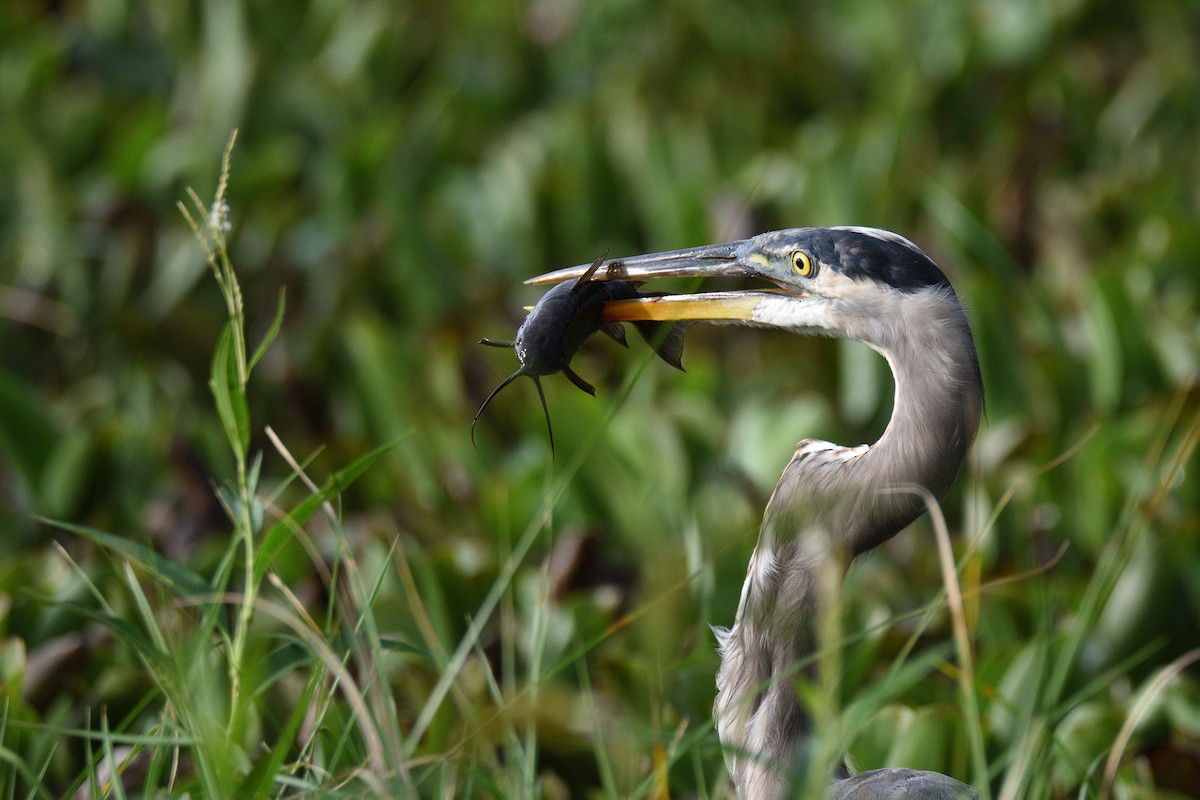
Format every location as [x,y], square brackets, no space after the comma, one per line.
[402,167]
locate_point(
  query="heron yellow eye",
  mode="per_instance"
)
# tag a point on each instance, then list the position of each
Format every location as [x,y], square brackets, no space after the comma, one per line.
[803,264]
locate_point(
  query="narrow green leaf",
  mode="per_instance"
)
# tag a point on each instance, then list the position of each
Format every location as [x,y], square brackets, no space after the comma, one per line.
[170,572]
[149,619]
[262,777]
[273,331]
[222,382]
[228,501]
[118,788]
[118,625]
[397,645]
[256,516]
[900,679]
[252,474]
[349,474]
[278,534]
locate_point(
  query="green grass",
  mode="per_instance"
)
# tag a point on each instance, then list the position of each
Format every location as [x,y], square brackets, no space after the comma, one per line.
[249,547]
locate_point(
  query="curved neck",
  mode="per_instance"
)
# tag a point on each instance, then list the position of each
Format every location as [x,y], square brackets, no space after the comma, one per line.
[833,503]
[935,416]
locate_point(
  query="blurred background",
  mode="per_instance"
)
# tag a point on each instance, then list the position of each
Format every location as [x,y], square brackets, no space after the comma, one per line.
[401,168]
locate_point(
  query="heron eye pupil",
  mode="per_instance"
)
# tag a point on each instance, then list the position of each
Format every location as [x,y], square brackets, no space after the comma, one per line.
[802,264]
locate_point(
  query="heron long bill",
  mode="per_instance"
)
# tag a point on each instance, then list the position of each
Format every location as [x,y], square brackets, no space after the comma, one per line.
[731,259]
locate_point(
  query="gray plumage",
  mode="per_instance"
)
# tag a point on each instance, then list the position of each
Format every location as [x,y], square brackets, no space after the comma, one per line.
[895,784]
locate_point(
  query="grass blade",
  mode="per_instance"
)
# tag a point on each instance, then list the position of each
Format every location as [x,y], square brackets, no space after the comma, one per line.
[273,331]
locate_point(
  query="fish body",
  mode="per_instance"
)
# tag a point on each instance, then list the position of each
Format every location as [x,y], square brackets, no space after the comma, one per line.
[562,320]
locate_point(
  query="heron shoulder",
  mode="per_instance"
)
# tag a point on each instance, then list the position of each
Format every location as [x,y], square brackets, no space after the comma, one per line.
[827,452]
[816,464]
[901,784]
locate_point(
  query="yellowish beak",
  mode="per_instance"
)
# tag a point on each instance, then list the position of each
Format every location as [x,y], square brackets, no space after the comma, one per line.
[714,307]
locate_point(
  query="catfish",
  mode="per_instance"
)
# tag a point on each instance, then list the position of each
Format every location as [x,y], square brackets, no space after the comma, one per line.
[563,319]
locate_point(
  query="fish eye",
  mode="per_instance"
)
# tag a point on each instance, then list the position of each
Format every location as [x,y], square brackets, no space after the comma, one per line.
[803,264]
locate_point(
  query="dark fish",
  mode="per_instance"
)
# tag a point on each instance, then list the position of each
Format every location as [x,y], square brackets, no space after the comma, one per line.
[562,321]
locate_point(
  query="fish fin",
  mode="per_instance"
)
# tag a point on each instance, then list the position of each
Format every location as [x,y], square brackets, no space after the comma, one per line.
[587,276]
[615,331]
[666,339]
[495,392]
[546,411]
[578,381]
[495,342]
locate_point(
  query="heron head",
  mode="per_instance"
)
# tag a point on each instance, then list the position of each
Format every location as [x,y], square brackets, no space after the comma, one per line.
[850,282]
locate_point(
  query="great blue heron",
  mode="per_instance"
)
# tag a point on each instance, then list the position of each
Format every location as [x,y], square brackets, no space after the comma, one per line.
[831,503]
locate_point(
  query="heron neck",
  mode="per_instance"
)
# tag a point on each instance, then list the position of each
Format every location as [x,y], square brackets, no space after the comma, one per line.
[833,503]
[935,416]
